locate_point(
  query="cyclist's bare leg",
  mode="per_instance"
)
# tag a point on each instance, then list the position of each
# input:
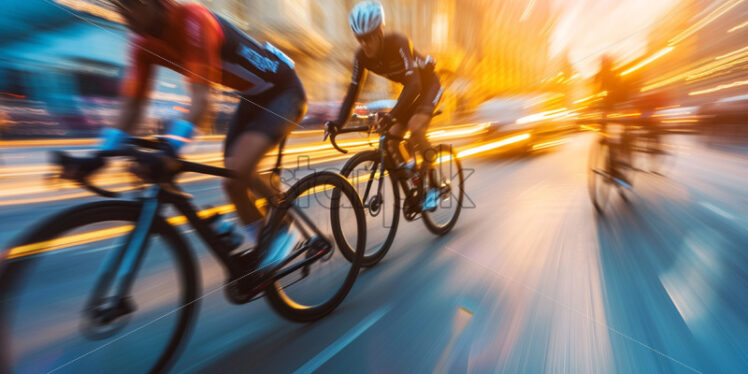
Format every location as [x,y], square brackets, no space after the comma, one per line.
[245,154]
[418,125]
[398,130]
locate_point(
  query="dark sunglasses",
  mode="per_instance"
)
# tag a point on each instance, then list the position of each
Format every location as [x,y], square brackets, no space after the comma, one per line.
[367,38]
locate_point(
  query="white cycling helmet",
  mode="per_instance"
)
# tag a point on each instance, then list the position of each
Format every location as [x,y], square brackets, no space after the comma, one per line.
[366,17]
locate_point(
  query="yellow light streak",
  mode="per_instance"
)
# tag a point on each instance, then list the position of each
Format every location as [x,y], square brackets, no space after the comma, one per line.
[690,74]
[446,134]
[548,144]
[719,67]
[584,99]
[93,9]
[719,88]
[624,115]
[732,53]
[108,233]
[528,11]
[591,97]
[67,241]
[543,116]
[738,27]
[668,107]
[589,128]
[648,60]
[671,114]
[679,120]
[724,8]
[493,145]
[327,146]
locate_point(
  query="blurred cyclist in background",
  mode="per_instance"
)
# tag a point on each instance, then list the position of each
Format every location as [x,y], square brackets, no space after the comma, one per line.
[616,93]
[392,56]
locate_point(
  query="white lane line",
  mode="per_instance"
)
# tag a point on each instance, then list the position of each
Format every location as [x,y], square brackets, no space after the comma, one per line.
[716,210]
[342,342]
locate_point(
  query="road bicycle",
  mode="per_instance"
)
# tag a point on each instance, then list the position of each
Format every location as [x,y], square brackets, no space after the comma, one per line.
[615,158]
[124,274]
[368,170]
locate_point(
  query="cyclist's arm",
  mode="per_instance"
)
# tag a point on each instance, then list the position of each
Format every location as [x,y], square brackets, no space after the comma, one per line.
[130,114]
[202,60]
[412,85]
[354,89]
[135,87]
[200,102]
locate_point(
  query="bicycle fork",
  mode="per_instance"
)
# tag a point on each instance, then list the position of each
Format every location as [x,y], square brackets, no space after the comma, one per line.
[120,268]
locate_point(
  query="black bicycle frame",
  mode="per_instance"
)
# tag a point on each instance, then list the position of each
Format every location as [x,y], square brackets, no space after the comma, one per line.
[121,266]
[384,138]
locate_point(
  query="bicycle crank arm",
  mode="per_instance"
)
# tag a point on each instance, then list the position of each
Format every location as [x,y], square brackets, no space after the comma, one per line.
[319,251]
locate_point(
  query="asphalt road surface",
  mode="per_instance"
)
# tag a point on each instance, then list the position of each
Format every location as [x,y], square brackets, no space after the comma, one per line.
[530,280]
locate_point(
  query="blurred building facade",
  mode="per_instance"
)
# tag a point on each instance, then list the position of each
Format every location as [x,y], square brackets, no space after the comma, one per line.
[483,48]
[708,55]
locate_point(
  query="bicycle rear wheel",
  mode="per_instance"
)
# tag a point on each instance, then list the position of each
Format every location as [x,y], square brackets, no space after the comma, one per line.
[46,322]
[599,180]
[660,154]
[382,210]
[310,292]
[451,183]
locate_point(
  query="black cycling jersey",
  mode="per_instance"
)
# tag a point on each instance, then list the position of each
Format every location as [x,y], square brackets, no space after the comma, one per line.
[398,62]
[245,59]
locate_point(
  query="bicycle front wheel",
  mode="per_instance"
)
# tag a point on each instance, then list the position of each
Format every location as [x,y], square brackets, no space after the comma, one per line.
[382,207]
[450,181]
[315,282]
[47,320]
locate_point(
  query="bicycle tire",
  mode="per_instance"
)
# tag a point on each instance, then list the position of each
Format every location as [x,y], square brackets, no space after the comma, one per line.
[598,187]
[284,305]
[373,257]
[431,225]
[14,271]
[661,158]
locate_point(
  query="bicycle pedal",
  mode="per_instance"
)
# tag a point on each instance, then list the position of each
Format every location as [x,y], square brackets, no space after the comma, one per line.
[236,294]
[242,290]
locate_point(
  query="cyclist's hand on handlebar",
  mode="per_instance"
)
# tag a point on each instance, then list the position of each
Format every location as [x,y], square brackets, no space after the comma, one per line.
[383,121]
[331,127]
[77,168]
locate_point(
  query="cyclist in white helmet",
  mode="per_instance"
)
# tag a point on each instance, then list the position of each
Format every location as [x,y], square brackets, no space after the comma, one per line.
[392,56]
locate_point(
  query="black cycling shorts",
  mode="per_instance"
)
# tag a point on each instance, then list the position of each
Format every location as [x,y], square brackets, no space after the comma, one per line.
[428,100]
[274,113]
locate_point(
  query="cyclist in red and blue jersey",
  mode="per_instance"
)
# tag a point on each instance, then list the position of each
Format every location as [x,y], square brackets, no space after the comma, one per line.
[207,50]
[393,57]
